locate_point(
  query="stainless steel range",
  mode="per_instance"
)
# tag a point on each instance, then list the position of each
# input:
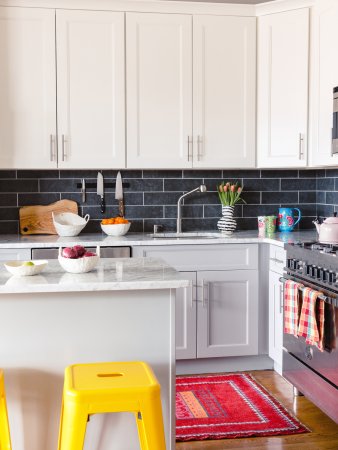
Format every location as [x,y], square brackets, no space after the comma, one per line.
[312,372]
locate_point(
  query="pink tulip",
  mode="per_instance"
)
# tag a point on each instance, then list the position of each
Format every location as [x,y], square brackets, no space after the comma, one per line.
[220,188]
[239,190]
[225,188]
[233,187]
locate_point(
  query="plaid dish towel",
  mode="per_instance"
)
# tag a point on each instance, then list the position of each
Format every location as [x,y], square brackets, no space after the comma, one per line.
[291,307]
[311,322]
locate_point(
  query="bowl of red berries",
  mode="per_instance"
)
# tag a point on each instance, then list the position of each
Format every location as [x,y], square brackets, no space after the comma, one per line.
[77,259]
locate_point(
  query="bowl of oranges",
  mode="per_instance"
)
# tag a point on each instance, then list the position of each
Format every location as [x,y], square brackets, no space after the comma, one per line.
[115,226]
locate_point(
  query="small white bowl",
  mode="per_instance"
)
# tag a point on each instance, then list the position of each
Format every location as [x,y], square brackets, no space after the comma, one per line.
[79,265]
[119,229]
[18,268]
[69,224]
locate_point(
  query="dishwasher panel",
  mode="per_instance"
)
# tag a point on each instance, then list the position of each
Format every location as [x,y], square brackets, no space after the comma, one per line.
[106,252]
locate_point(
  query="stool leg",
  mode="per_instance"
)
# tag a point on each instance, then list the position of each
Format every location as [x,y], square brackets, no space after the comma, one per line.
[5,439]
[150,426]
[73,424]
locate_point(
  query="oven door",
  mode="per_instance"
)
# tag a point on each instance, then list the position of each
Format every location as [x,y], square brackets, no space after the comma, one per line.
[312,372]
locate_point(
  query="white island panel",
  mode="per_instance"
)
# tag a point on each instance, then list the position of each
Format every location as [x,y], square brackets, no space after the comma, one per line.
[43,332]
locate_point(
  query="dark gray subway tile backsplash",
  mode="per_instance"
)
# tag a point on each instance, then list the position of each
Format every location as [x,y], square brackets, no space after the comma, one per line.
[151,195]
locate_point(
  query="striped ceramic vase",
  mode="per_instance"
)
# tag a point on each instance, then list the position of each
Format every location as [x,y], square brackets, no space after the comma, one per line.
[227,223]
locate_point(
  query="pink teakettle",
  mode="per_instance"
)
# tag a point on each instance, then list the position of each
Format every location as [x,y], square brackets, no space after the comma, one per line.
[328,230]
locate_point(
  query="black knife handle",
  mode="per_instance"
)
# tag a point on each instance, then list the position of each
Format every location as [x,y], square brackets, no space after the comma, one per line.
[121,208]
[102,205]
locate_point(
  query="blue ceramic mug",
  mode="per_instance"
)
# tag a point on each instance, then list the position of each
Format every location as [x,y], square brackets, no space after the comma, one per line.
[286,218]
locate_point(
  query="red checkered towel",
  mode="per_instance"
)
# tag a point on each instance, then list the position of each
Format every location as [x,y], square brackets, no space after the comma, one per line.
[311,322]
[291,307]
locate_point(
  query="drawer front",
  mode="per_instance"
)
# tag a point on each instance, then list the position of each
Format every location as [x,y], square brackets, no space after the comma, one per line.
[277,259]
[7,254]
[200,257]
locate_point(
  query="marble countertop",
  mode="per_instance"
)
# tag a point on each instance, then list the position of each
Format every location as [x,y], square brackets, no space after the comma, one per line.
[136,239]
[110,275]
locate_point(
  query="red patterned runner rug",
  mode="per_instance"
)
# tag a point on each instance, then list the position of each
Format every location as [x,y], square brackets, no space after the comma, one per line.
[228,406]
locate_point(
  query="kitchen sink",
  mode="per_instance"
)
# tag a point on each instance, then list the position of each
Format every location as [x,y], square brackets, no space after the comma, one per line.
[187,235]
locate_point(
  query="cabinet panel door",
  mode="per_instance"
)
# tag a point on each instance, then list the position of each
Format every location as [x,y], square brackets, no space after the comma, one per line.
[275,318]
[227,313]
[159,90]
[9,254]
[282,103]
[324,72]
[27,88]
[224,99]
[185,322]
[90,76]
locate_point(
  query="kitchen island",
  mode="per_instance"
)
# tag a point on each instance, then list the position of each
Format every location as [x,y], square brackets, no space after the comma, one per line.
[123,310]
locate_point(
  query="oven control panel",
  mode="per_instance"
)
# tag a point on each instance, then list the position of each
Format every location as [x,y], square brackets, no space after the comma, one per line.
[313,262]
[312,270]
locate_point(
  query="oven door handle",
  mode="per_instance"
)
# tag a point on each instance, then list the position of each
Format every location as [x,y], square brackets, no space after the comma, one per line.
[331,300]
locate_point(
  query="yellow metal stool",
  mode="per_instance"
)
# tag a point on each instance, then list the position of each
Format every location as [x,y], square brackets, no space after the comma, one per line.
[106,388]
[5,438]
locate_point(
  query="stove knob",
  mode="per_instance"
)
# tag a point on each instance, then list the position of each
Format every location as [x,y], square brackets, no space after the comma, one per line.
[297,264]
[325,275]
[320,273]
[288,263]
[314,272]
[331,277]
[308,270]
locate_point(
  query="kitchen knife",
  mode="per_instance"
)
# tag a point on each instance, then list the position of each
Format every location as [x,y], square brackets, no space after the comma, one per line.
[119,193]
[100,191]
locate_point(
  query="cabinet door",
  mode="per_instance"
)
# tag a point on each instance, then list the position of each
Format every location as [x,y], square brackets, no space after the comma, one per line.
[227,313]
[282,109]
[159,90]
[324,71]
[224,72]
[185,322]
[275,318]
[15,254]
[27,88]
[90,77]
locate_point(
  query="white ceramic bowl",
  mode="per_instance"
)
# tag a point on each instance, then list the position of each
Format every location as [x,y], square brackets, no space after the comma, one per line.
[119,229]
[79,265]
[18,268]
[69,224]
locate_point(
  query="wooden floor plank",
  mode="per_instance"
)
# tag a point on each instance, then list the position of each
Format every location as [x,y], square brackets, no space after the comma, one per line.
[323,436]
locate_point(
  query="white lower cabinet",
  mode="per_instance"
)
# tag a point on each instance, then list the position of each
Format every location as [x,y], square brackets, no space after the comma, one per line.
[185,318]
[227,313]
[275,318]
[15,254]
[217,315]
[276,297]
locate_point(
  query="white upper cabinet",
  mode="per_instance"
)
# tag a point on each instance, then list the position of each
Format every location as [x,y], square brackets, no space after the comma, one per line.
[282,103]
[324,71]
[90,89]
[159,90]
[224,99]
[27,88]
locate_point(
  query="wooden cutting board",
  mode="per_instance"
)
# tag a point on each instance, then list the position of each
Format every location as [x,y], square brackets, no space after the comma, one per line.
[38,219]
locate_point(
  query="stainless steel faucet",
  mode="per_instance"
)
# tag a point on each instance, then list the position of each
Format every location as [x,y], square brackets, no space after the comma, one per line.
[201,188]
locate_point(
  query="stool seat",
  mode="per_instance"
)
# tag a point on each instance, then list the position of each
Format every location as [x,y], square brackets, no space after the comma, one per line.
[111,387]
[5,438]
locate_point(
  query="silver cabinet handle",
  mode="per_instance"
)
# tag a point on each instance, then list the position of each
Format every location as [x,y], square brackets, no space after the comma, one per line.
[205,298]
[281,298]
[199,144]
[64,154]
[52,147]
[189,143]
[301,142]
